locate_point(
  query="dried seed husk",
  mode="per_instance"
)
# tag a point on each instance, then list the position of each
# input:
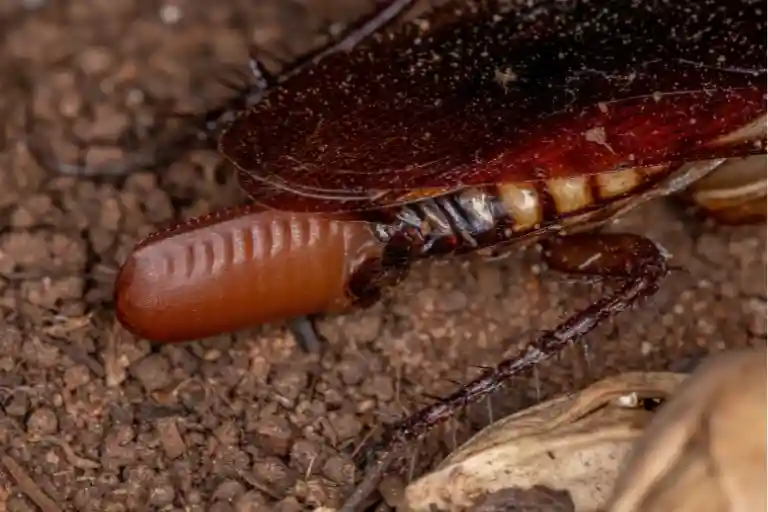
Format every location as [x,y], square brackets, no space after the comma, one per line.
[575,443]
[706,450]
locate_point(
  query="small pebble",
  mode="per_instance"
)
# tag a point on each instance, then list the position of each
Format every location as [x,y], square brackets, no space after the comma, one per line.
[18,405]
[228,490]
[344,425]
[152,371]
[251,501]
[288,385]
[352,370]
[42,421]
[339,470]
[161,495]
[305,456]
[274,436]
[76,376]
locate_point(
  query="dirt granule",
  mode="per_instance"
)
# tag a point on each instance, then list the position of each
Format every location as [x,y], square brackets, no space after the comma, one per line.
[93,419]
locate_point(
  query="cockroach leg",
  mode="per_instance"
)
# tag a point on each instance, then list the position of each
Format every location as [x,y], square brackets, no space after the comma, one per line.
[369,26]
[263,80]
[306,335]
[613,255]
[637,260]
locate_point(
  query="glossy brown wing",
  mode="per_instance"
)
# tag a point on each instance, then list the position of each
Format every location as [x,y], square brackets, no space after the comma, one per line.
[549,90]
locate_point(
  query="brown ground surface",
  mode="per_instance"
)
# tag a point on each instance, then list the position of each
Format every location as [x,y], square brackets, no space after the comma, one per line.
[98,420]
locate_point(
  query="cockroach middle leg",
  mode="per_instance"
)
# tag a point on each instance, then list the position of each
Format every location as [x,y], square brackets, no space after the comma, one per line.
[305,333]
[262,79]
[638,261]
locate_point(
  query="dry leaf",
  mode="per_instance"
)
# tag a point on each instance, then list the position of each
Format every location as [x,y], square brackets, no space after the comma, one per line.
[575,443]
[706,449]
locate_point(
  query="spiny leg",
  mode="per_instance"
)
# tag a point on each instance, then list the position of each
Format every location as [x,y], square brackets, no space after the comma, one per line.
[262,79]
[305,333]
[640,262]
[354,35]
[597,258]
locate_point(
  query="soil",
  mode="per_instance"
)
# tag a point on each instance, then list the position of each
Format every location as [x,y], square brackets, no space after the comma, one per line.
[93,419]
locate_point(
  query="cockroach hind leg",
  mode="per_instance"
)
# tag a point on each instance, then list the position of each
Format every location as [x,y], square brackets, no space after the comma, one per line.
[633,257]
[305,332]
[611,255]
[493,254]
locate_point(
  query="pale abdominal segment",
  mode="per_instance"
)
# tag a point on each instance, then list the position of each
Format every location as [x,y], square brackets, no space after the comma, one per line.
[480,217]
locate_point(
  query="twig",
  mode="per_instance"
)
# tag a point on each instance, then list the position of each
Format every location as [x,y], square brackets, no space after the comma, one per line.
[28,486]
[371,479]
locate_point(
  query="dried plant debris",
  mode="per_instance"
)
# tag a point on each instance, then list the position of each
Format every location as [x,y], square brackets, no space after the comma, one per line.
[631,443]
[706,450]
[533,499]
[574,443]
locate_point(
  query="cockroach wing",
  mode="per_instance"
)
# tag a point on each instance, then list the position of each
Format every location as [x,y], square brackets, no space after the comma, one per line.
[530,91]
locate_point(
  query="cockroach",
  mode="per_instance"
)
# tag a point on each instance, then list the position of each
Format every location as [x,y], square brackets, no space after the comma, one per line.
[489,125]
[486,125]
